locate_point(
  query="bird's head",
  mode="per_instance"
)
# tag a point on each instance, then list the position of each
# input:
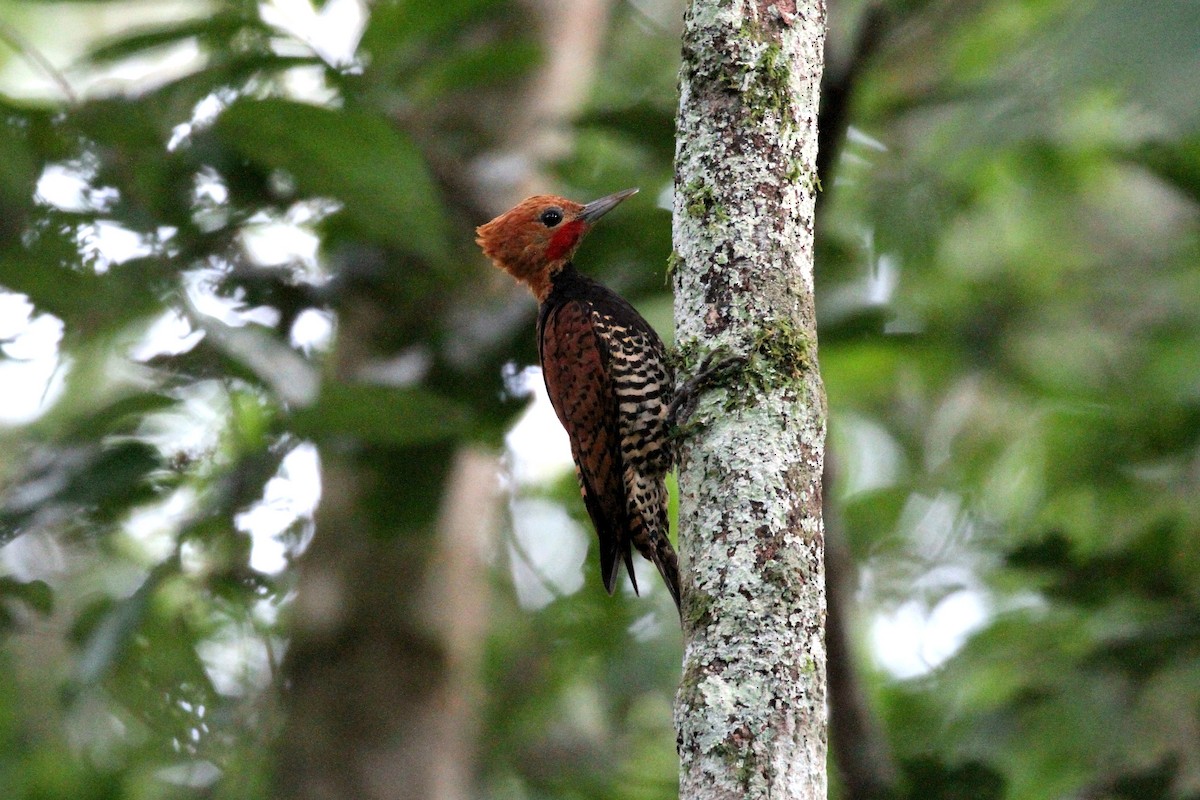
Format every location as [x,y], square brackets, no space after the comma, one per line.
[538,236]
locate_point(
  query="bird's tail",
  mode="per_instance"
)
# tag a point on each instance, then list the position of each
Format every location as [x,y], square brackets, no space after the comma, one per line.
[663,556]
[648,533]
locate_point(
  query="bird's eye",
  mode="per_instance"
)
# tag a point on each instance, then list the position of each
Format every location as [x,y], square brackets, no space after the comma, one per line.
[551,217]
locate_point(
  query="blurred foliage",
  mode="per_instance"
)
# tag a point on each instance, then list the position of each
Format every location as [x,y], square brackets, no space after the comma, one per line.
[1033,205]
[1007,284]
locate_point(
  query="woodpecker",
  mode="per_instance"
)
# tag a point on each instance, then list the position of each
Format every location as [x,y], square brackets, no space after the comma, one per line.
[607,375]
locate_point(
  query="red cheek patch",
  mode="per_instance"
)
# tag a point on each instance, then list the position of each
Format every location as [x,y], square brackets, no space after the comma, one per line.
[564,239]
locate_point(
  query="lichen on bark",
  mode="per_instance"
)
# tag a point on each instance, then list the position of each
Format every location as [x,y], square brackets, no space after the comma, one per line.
[751,706]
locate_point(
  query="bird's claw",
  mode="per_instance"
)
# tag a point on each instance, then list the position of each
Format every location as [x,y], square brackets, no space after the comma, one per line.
[683,404]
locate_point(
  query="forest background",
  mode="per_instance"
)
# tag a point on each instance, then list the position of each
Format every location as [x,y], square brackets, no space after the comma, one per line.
[195,198]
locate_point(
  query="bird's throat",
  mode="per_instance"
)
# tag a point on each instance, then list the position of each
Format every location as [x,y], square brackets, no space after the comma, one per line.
[564,240]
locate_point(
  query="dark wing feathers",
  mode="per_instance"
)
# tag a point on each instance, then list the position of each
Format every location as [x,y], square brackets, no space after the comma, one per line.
[575,369]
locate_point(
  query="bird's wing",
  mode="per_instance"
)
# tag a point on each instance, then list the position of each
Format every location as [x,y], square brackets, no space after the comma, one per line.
[576,370]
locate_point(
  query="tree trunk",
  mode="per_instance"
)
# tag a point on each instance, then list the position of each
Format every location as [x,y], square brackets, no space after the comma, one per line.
[751,707]
[381,676]
[379,681]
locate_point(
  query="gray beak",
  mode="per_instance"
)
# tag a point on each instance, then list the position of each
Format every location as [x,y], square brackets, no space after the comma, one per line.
[598,208]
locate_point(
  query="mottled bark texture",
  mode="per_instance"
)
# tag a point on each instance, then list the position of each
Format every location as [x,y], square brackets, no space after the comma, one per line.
[751,707]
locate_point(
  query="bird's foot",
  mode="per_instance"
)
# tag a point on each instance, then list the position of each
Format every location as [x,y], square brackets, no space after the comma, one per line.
[710,373]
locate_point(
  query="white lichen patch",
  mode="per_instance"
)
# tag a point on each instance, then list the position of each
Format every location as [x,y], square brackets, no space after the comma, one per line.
[751,706]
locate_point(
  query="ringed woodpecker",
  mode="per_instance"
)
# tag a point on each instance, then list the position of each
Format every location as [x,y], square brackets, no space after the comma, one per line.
[607,375]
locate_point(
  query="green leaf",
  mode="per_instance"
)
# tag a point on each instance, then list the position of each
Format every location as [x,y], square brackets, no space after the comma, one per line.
[649,125]
[381,415]
[18,167]
[97,483]
[484,66]
[107,641]
[114,480]
[1177,163]
[263,353]
[360,159]
[931,779]
[206,361]
[397,25]
[231,71]
[36,594]
[122,415]
[218,27]
[89,304]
